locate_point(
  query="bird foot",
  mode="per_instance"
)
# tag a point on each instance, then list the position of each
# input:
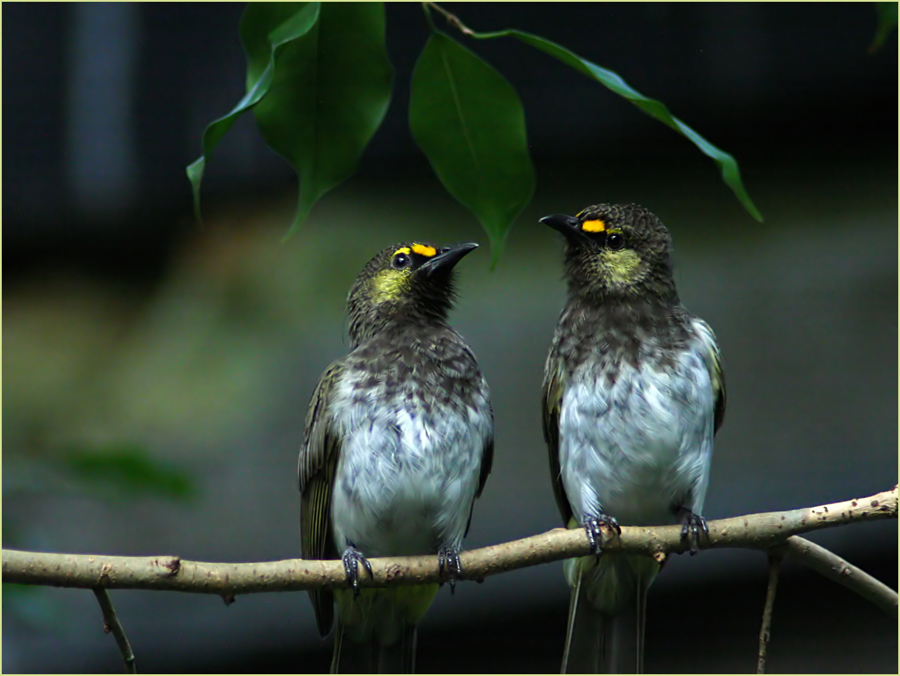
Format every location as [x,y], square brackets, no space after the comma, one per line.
[351,558]
[691,526]
[449,566]
[594,525]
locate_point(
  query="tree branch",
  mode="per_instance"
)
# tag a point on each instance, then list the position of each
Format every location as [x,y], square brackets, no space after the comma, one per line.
[766,630]
[112,625]
[756,531]
[838,570]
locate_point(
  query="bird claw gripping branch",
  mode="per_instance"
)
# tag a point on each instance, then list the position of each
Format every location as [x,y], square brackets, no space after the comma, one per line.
[352,558]
[691,526]
[449,566]
[594,526]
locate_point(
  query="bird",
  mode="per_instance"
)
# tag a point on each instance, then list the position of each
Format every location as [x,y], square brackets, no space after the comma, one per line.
[632,397]
[398,443]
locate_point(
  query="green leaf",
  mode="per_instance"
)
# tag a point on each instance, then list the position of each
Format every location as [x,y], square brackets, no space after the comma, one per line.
[887,22]
[267,25]
[329,94]
[127,470]
[727,164]
[264,28]
[469,122]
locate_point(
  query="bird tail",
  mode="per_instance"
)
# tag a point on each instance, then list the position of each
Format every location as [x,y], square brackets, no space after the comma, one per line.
[607,614]
[370,657]
[399,657]
[352,657]
[586,634]
[376,629]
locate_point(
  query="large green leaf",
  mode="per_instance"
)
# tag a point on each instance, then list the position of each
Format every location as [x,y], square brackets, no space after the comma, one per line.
[727,164]
[469,122]
[887,22]
[265,27]
[329,93]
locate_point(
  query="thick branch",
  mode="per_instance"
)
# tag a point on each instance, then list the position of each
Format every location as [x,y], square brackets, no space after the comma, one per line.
[757,531]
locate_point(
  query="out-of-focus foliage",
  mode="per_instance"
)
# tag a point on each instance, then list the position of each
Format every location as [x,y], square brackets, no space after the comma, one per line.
[887,23]
[319,97]
[126,470]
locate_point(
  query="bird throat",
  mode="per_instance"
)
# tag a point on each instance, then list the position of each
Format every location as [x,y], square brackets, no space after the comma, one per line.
[622,329]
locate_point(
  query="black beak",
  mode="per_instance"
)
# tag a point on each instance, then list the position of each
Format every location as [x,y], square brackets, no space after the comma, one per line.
[569,226]
[447,257]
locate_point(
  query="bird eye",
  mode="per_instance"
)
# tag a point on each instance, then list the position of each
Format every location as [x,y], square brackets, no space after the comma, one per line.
[615,241]
[400,261]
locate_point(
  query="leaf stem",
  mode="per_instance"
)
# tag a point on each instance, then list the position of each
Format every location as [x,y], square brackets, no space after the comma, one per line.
[428,18]
[452,19]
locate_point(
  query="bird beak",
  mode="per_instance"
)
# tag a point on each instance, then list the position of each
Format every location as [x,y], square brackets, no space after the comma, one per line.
[447,257]
[569,226]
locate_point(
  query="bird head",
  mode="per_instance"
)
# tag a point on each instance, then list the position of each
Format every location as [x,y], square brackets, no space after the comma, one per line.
[616,251]
[410,282]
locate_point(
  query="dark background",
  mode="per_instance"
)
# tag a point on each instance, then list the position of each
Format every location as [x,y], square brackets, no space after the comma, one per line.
[127,325]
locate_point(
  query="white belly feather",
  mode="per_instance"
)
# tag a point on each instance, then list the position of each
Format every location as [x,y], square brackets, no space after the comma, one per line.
[638,447]
[407,473]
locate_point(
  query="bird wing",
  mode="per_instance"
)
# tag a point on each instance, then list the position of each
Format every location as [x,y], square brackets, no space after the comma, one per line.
[487,456]
[551,403]
[713,359]
[487,450]
[487,460]
[315,470]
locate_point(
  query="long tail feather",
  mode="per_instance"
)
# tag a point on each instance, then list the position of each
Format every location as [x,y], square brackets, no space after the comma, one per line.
[586,638]
[611,640]
[622,655]
[641,611]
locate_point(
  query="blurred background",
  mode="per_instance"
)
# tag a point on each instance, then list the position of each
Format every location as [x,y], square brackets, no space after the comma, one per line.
[156,372]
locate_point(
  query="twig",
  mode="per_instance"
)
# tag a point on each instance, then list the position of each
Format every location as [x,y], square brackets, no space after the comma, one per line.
[757,531]
[766,629]
[838,570]
[112,625]
[452,19]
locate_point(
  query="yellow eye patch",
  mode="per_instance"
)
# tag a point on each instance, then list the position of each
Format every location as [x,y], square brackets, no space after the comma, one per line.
[401,250]
[623,267]
[389,285]
[422,250]
[593,226]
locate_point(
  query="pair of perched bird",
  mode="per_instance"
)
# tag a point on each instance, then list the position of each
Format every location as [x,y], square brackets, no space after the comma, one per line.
[399,435]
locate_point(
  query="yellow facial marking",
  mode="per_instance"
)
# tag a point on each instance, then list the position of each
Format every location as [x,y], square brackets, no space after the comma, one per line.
[402,249]
[593,226]
[422,250]
[389,285]
[623,266]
